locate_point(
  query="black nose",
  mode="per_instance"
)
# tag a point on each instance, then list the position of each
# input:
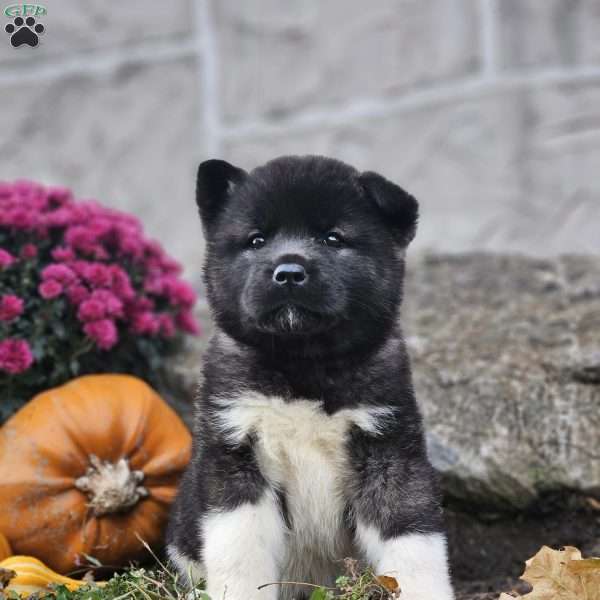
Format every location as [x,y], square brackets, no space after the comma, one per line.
[290,273]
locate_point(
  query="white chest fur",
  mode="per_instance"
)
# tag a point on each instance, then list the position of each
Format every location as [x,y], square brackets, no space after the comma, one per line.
[302,451]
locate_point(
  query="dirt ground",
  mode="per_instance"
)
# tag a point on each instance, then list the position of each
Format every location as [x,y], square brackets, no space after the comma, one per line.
[489,590]
[488,551]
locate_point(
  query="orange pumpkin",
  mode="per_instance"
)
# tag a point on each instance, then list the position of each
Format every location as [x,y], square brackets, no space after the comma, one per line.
[85,467]
[5,550]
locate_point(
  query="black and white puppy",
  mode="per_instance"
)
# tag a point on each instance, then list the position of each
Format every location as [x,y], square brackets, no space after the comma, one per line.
[308,443]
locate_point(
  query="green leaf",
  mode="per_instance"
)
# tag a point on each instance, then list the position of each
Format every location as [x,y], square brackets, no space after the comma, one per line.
[319,594]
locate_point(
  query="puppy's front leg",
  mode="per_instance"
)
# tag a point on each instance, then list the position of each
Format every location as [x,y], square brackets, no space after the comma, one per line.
[398,516]
[417,560]
[242,550]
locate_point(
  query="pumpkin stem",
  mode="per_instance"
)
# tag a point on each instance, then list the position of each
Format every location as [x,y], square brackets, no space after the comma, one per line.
[111,487]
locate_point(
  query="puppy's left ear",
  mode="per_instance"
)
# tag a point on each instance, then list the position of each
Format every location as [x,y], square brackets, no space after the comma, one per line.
[215,181]
[399,208]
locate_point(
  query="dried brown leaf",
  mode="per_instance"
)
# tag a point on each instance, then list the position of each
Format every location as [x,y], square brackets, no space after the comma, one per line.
[561,575]
[389,583]
[585,566]
[593,503]
[548,575]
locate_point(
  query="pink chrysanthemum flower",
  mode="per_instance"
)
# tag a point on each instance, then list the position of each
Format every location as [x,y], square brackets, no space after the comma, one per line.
[50,289]
[91,281]
[15,356]
[103,332]
[11,307]
[6,258]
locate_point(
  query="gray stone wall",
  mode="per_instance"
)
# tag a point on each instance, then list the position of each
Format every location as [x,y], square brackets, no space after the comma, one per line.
[487,110]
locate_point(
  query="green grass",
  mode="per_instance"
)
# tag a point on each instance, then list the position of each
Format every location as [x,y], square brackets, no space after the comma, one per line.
[161,582]
[135,583]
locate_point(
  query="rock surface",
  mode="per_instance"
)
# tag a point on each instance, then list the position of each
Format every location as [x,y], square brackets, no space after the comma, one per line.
[258,41]
[506,361]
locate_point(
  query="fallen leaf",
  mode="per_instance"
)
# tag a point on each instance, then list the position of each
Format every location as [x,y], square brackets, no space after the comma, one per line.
[561,575]
[389,583]
[593,503]
[588,570]
[548,575]
[584,566]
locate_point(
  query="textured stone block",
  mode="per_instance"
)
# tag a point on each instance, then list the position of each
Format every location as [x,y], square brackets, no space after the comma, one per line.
[560,206]
[280,57]
[128,138]
[548,33]
[454,157]
[515,171]
[73,28]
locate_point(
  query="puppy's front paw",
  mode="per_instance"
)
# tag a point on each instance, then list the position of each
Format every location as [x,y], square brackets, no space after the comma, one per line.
[242,548]
[417,561]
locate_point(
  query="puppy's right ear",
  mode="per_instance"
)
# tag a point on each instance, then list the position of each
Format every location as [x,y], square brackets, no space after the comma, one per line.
[400,209]
[215,180]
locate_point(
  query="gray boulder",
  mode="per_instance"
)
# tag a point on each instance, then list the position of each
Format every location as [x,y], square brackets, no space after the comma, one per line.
[506,359]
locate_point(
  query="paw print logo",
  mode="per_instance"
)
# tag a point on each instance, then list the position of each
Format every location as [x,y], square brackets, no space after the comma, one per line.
[24,31]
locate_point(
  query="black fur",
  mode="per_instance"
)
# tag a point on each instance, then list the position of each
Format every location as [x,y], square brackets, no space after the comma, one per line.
[344,348]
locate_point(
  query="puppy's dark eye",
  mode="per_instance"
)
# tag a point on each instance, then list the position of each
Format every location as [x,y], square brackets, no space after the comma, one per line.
[256,241]
[333,239]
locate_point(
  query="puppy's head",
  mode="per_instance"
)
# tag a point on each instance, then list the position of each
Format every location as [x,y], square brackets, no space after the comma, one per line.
[304,253]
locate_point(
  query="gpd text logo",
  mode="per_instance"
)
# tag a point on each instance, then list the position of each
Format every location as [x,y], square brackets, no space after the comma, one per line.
[25,10]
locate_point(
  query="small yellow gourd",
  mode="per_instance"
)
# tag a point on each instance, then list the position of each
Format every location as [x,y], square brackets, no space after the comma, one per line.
[32,575]
[5,550]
